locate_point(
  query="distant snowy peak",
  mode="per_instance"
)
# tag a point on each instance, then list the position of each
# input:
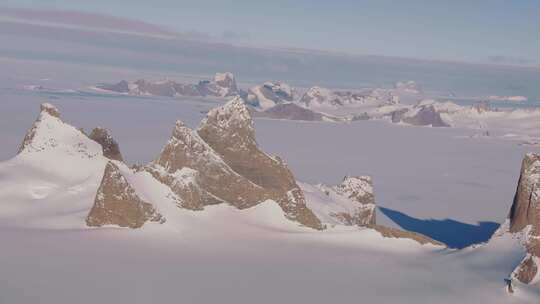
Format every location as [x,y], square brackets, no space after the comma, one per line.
[222,85]
[293,111]
[426,113]
[227,83]
[408,87]
[317,97]
[270,94]
[50,133]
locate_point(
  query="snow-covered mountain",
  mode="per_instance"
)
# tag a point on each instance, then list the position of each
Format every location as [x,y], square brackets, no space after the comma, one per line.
[269,94]
[318,97]
[222,85]
[219,163]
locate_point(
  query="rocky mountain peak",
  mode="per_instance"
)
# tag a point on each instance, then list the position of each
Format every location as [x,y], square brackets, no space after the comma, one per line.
[230,125]
[525,209]
[117,203]
[110,147]
[49,133]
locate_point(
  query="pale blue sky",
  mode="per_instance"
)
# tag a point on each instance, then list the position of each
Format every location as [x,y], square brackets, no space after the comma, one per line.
[482,30]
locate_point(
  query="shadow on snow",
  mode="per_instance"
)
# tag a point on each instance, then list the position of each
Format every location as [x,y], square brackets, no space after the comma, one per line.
[450,232]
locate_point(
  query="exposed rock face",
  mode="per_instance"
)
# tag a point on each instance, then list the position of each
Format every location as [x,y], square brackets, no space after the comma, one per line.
[116,203]
[110,146]
[229,131]
[212,180]
[524,217]
[526,206]
[228,166]
[527,270]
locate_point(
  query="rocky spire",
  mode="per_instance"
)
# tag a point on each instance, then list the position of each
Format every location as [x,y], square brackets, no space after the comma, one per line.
[526,206]
[111,149]
[524,217]
[116,203]
[228,130]
[47,110]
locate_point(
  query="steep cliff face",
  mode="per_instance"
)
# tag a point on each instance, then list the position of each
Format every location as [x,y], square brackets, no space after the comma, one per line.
[524,217]
[116,203]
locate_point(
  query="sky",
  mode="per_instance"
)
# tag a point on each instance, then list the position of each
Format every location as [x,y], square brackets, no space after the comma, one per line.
[496,31]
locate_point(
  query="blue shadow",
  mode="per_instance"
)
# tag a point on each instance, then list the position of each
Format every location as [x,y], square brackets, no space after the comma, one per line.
[450,232]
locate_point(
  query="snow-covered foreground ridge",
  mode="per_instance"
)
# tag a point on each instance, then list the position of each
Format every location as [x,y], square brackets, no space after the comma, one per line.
[216,178]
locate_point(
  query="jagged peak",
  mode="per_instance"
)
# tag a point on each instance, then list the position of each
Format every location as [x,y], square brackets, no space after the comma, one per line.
[50,109]
[180,129]
[527,199]
[233,113]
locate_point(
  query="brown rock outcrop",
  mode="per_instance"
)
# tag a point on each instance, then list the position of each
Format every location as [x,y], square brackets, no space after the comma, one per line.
[524,216]
[111,149]
[527,270]
[116,203]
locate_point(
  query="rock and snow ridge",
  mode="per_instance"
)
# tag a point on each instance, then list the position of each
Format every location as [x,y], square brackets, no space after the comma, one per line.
[219,163]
